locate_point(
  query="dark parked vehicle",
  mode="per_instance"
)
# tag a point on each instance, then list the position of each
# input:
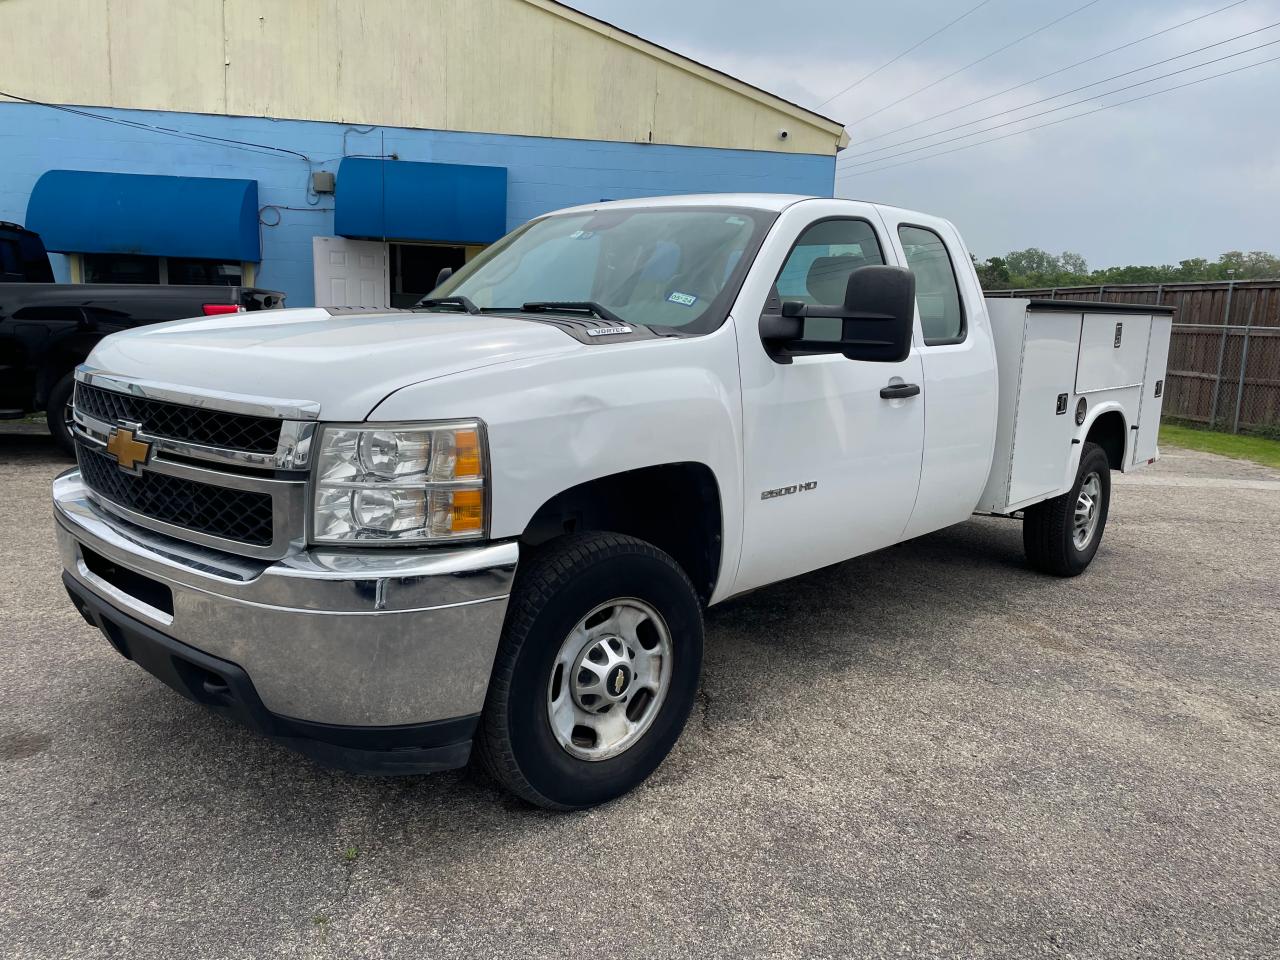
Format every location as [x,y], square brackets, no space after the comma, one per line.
[47,328]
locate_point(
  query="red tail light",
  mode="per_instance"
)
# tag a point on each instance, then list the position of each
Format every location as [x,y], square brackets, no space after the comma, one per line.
[213,309]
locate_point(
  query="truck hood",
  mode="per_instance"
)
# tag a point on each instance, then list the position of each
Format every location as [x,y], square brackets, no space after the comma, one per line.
[346,362]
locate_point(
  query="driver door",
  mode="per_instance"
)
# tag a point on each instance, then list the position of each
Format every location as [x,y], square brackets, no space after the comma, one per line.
[831,468]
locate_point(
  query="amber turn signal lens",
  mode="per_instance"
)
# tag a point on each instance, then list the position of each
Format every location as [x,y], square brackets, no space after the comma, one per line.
[468,508]
[467,445]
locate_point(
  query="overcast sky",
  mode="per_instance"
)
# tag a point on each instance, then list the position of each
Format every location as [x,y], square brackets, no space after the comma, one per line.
[1191,173]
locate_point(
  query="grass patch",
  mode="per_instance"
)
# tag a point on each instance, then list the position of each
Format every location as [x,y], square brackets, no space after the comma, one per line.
[1242,446]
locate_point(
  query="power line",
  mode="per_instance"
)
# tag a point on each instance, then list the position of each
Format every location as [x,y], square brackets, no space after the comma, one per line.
[1065,93]
[1065,106]
[909,49]
[1051,123]
[251,147]
[1011,43]
[1052,73]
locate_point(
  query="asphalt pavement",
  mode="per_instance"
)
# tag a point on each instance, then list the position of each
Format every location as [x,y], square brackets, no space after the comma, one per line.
[930,751]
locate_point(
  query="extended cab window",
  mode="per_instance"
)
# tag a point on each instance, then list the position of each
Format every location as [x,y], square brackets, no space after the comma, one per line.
[937,290]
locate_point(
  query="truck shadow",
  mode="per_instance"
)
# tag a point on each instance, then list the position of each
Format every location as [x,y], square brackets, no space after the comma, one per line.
[881,617]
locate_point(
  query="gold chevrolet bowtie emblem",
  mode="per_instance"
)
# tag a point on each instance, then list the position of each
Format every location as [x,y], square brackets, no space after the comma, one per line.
[128,450]
[618,680]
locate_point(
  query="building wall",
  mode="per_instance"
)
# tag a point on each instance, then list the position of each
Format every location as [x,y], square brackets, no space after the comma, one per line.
[542,173]
[524,67]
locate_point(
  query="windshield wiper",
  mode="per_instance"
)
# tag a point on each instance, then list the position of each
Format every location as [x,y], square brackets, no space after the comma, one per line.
[462,302]
[574,306]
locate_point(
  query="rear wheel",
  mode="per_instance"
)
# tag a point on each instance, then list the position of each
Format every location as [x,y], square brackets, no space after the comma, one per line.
[596,672]
[58,413]
[1062,535]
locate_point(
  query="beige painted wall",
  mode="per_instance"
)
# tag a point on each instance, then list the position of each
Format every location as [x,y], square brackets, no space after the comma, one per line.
[499,66]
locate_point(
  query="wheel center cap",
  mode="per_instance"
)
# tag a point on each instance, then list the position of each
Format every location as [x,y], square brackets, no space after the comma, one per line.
[618,681]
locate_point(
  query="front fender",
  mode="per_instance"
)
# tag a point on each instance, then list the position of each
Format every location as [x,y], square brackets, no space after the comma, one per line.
[558,421]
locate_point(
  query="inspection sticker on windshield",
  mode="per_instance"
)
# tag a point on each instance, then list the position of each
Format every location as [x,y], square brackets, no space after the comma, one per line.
[687,299]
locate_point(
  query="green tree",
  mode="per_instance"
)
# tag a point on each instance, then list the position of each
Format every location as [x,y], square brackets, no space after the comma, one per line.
[1033,262]
[1074,264]
[993,273]
[1035,268]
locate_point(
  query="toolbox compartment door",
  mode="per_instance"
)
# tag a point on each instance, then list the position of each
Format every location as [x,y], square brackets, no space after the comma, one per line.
[1113,351]
[1152,403]
[1042,434]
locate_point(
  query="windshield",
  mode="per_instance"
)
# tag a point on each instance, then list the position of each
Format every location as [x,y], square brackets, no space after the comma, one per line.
[668,267]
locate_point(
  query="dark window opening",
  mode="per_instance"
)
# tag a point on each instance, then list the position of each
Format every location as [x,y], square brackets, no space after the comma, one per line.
[205,272]
[184,271]
[415,267]
[119,268]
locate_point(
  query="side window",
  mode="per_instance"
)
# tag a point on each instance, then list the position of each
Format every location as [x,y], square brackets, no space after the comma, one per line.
[10,265]
[937,290]
[120,268]
[818,267]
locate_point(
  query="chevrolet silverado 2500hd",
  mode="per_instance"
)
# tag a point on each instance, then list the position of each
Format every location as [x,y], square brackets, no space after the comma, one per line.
[490,524]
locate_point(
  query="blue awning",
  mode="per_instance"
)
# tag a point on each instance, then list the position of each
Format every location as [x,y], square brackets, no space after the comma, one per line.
[403,200]
[78,211]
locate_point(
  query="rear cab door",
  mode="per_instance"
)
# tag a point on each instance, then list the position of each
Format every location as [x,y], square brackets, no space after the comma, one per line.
[830,468]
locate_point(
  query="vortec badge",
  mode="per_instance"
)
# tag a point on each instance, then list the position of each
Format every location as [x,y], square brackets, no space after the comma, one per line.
[130,452]
[607,331]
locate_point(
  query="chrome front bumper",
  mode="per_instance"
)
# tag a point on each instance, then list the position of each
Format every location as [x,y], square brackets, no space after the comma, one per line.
[360,638]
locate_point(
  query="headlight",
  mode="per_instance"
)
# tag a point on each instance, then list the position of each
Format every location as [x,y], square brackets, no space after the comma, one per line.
[402,484]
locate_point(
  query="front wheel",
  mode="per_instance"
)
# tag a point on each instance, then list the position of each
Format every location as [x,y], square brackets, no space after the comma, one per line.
[58,413]
[596,672]
[1062,535]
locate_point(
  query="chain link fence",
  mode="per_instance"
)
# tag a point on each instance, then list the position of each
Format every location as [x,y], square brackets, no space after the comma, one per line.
[1224,358]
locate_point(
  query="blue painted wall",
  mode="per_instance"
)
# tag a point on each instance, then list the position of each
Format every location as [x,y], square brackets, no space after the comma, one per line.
[542,173]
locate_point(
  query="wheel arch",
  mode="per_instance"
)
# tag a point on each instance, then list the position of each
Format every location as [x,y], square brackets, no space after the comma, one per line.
[1109,430]
[677,507]
[1106,421]
[61,360]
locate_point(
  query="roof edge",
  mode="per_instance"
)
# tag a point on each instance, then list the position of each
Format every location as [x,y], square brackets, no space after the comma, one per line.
[696,67]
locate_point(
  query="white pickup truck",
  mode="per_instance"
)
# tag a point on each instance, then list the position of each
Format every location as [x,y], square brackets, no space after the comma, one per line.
[489,525]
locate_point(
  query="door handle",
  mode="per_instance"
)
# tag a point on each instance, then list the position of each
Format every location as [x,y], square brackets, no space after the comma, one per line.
[899,391]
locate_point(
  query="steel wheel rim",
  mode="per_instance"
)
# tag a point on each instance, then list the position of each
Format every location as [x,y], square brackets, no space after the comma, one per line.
[609,679]
[1085,522]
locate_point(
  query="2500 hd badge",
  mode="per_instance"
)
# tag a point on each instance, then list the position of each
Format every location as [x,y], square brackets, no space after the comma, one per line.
[787,491]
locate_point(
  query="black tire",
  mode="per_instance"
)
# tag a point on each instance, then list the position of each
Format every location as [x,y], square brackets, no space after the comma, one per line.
[555,588]
[58,413]
[1048,528]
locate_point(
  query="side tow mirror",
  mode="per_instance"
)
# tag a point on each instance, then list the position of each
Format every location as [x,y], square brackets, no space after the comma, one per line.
[876,319]
[444,274]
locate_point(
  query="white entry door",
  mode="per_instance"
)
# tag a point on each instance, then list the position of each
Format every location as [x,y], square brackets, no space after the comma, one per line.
[350,273]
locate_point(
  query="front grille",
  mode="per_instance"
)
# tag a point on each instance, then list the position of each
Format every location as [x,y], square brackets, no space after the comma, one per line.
[175,421]
[242,515]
